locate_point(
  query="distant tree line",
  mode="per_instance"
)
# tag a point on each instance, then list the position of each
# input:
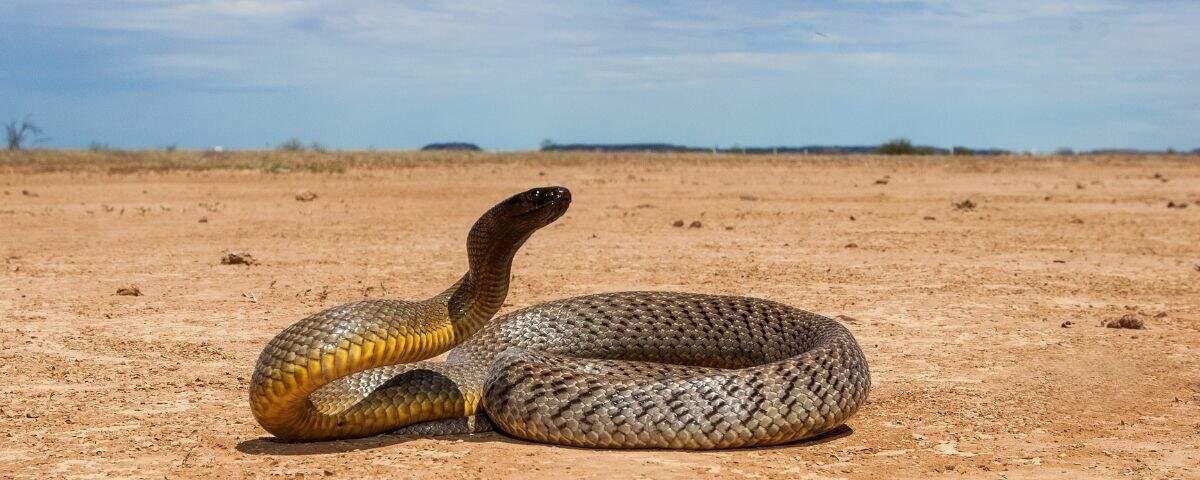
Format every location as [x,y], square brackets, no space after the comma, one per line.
[453,146]
[899,146]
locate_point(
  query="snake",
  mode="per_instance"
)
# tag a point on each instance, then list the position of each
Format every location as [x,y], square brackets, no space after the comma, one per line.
[642,369]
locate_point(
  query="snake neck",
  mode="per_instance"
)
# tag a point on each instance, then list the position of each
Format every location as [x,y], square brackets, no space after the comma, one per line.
[480,293]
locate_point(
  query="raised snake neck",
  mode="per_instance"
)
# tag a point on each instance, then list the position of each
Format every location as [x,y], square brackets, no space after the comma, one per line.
[622,370]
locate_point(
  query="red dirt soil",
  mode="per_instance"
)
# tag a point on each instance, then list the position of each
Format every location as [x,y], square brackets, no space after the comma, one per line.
[961,312]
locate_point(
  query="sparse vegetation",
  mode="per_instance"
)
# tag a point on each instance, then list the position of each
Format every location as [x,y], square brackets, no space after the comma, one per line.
[20,134]
[291,145]
[903,146]
[1065,151]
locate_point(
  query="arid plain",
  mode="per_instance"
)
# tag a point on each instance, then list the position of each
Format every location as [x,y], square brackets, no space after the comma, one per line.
[982,321]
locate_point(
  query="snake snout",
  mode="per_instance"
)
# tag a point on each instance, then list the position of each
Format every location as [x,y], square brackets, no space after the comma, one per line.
[543,196]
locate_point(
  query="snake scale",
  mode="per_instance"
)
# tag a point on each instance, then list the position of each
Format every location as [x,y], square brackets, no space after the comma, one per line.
[614,370]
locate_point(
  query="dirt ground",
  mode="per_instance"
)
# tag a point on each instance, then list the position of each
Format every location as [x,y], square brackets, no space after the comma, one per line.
[982,325]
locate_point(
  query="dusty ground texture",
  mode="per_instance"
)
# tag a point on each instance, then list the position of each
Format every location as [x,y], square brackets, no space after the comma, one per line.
[961,312]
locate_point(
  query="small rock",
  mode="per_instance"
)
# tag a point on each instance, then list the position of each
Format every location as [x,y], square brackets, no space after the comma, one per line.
[238,258]
[1077,221]
[1067,324]
[883,181]
[677,223]
[964,205]
[852,218]
[1160,315]
[305,196]
[748,198]
[851,245]
[130,291]
[695,224]
[28,193]
[203,220]
[1177,205]
[1129,321]
[930,217]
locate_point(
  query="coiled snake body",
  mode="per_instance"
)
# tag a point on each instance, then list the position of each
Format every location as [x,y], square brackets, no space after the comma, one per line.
[616,370]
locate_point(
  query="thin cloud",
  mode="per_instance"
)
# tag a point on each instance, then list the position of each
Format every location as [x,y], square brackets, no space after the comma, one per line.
[527,59]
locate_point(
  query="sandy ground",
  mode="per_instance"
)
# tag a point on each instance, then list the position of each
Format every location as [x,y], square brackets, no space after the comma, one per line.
[961,312]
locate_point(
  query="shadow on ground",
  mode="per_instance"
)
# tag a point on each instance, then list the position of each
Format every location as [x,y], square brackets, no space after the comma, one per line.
[271,446]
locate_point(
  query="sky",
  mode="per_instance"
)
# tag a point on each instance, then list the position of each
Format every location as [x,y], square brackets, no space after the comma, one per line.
[357,74]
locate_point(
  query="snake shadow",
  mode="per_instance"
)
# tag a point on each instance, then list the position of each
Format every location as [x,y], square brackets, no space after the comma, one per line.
[272,446]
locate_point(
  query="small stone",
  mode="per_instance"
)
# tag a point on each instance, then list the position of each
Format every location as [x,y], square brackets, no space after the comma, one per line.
[130,291]
[851,245]
[305,196]
[1129,321]
[964,205]
[1067,324]
[695,224]
[883,181]
[677,223]
[1177,205]
[203,220]
[238,258]
[928,217]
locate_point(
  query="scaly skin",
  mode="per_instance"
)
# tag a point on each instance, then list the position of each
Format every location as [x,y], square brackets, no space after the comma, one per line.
[618,370]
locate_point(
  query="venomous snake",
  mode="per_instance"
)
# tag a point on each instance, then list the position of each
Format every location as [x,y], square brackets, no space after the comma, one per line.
[614,370]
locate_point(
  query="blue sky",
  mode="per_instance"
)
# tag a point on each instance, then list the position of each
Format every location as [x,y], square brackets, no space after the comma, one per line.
[1020,74]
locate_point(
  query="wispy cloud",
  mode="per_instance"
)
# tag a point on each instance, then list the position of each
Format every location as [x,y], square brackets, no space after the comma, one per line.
[551,64]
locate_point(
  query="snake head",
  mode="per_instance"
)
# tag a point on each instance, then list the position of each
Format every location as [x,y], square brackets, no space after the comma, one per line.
[537,207]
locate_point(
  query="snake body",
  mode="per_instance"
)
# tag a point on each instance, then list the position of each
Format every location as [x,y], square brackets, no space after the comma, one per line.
[613,370]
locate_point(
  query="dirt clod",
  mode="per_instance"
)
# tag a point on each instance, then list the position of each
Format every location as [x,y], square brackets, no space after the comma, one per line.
[238,258]
[203,220]
[1129,321]
[1067,324]
[305,196]
[965,205]
[130,291]
[1177,205]
[695,224]
[677,223]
